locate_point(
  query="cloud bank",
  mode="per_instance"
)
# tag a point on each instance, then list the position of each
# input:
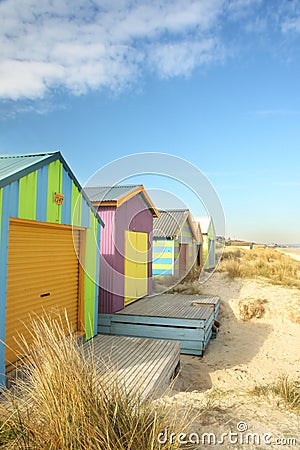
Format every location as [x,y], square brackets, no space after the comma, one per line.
[77,46]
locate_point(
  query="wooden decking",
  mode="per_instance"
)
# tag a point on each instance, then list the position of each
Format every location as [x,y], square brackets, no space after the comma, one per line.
[168,316]
[143,365]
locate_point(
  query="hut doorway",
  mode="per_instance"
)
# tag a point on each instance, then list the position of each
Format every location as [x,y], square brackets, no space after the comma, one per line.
[183,255]
[136,266]
[44,276]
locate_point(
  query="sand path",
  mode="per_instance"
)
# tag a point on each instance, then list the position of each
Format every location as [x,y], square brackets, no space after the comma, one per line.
[245,355]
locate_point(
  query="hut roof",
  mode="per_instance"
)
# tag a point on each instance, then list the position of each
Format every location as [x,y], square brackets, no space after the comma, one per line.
[15,166]
[170,222]
[116,195]
[205,222]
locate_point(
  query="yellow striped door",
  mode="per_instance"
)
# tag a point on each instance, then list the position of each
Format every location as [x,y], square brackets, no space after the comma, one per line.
[136,266]
[43,276]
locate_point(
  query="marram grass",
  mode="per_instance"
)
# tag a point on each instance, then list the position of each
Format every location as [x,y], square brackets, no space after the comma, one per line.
[271,264]
[60,403]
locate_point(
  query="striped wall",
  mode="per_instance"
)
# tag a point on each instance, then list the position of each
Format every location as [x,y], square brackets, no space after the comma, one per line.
[209,248]
[185,237]
[31,197]
[163,263]
[163,257]
[209,252]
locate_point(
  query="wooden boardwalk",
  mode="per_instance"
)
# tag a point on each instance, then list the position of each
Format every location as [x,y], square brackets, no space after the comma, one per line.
[143,365]
[167,316]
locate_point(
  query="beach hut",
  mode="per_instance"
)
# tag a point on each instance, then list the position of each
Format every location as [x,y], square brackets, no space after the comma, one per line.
[199,262]
[174,243]
[209,241]
[126,245]
[49,262]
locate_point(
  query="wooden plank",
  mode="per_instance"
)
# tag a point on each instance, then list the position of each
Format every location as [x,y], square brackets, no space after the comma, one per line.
[103,329]
[144,363]
[104,319]
[209,322]
[167,305]
[167,316]
[186,347]
[157,332]
[167,321]
[213,301]
[208,337]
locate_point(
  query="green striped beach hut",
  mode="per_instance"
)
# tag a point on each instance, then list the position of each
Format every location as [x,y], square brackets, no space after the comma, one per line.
[174,243]
[49,252]
[209,241]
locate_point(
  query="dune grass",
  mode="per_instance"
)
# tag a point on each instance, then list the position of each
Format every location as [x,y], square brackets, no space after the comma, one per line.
[287,391]
[60,402]
[261,262]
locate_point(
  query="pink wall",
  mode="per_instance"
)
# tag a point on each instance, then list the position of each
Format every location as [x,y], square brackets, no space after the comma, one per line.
[132,215]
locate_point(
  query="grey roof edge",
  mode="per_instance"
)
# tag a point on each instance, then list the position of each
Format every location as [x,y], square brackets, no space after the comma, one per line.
[186,217]
[53,156]
[49,157]
[108,188]
[135,189]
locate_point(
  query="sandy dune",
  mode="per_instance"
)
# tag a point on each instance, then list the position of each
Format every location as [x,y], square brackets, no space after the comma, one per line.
[245,354]
[292,252]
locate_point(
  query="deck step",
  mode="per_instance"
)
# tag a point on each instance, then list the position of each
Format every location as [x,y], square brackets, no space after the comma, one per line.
[137,364]
[185,318]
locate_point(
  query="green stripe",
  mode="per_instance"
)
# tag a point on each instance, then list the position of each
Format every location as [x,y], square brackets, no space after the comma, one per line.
[27,196]
[76,206]
[54,185]
[90,277]
[186,234]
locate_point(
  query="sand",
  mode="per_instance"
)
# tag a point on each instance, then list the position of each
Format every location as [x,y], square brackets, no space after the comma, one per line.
[292,252]
[244,355]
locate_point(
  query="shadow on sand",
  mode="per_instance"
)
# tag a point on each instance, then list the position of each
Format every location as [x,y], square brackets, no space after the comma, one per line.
[237,344]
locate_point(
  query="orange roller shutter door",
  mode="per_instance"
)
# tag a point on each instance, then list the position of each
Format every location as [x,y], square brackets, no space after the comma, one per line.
[43,276]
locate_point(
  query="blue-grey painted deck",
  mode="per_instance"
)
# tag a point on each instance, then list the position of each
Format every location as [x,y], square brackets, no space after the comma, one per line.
[142,365]
[167,316]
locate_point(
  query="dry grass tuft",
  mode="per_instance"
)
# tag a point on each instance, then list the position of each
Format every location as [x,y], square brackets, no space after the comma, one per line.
[173,285]
[261,262]
[187,287]
[288,392]
[250,308]
[61,403]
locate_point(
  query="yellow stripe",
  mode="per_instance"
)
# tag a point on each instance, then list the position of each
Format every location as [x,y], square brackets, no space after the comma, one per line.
[162,255]
[162,266]
[162,243]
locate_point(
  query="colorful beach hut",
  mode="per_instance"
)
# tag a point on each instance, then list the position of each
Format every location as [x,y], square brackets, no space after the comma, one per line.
[126,245]
[209,241]
[199,263]
[174,243]
[49,262]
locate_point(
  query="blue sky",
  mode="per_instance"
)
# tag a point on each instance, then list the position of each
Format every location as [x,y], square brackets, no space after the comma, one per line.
[216,82]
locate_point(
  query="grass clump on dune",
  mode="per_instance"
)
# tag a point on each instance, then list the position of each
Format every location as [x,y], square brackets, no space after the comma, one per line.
[60,402]
[261,262]
[285,389]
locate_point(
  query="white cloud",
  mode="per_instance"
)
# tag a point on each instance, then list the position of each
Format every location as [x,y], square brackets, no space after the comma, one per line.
[92,44]
[181,58]
[291,25]
[88,44]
